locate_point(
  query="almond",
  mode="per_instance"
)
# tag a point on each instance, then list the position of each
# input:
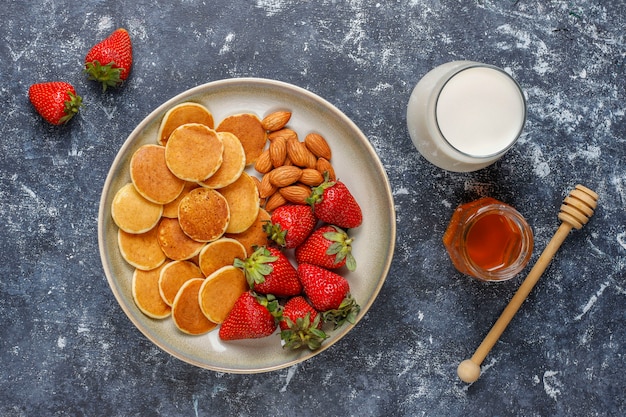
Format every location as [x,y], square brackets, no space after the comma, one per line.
[278,151]
[276,120]
[284,176]
[285,132]
[311,161]
[296,193]
[266,188]
[264,163]
[274,201]
[298,153]
[323,166]
[311,177]
[318,145]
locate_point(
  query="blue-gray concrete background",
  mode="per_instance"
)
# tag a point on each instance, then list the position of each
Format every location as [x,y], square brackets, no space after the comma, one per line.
[68,349]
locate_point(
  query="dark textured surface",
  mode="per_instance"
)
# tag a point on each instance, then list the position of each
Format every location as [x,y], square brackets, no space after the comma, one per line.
[68,349]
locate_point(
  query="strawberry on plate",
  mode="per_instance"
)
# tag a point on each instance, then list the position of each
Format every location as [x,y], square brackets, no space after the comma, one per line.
[110,60]
[333,203]
[268,271]
[329,247]
[301,325]
[250,318]
[290,225]
[56,101]
[329,293]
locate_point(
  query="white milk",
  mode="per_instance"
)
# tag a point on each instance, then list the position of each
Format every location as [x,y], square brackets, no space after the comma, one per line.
[463,115]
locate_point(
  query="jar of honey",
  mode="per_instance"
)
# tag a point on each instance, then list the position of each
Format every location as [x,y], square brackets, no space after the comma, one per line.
[488,240]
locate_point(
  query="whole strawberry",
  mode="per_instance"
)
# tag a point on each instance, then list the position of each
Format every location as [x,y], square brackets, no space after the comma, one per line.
[290,225]
[329,247]
[56,101]
[333,203]
[109,61]
[250,318]
[268,271]
[329,293]
[301,325]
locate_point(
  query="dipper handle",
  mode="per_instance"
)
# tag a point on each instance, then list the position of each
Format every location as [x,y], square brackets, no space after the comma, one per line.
[575,212]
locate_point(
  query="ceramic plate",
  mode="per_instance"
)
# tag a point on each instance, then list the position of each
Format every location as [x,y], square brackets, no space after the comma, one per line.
[355,163]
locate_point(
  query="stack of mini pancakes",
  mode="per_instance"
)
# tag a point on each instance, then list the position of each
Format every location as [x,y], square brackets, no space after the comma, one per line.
[188,212]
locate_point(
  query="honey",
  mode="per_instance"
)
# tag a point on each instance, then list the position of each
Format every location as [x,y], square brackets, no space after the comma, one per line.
[488,240]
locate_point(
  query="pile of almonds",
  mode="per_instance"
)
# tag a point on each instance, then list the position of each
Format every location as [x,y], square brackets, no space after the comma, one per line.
[290,167]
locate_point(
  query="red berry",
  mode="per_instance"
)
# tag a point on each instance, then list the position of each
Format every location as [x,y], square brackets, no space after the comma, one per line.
[325,289]
[110,60]
[56,101]
[248,319]
[301,325]
[333,203]
[268,271]
[329,293]
[290,225]
[329,247]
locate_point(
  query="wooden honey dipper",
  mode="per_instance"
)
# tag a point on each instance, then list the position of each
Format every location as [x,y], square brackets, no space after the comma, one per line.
[575,211]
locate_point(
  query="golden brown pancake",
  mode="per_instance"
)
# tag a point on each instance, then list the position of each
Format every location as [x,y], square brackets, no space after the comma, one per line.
[233,162]
[243,201]
[133,213]
[181,114]
[171,209]
[174,242]
[249,130]
[145,289]
[203,214]
[151,176]
[141,250]
[194,152]
[254,235]
[186,312]
[173,275]
[221,252]
[219,291]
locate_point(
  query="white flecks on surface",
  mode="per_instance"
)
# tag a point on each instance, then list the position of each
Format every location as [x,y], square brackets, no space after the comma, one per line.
[401,191]
[592,300]
[271,7]
[226,46]
[291,372]
[621,239]
[551,384]
[105,24]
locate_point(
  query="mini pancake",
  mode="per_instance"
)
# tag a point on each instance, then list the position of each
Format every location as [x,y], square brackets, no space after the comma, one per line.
[219,253]
[186,312]
[243,201]
[141,250]
[249,130]
[181,114]
[174,242]
[254,235]
[219,291]
[173,275]
[203,214]
[233,163]
[133,213]
[194,152]
[151,176]
[145,289]
[171,209]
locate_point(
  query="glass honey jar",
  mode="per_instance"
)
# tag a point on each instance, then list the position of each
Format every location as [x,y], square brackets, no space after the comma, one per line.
[488,240]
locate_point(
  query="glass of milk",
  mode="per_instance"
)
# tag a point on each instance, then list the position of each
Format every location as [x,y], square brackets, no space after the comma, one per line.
[463,115]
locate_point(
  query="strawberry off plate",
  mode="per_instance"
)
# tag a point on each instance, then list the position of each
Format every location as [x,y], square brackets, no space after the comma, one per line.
[355,163]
